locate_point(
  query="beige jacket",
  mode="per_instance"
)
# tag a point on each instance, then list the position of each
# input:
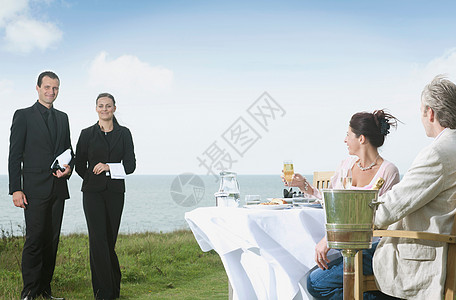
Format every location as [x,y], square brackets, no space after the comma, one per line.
[425,200]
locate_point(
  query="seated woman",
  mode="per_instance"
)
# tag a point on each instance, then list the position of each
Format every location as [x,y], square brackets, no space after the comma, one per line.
[366,133]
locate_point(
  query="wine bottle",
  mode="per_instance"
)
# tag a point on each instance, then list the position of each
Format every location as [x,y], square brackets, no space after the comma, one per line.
[378,183]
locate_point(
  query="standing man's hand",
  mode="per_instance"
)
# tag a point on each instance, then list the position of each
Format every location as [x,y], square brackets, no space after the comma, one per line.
[60,174]
[19,199]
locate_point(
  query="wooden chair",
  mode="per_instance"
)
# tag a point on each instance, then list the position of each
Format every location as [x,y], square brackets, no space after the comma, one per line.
[364,283]
[321,179]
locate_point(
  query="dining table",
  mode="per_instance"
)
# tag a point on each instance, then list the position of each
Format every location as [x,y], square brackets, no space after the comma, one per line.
[268,251]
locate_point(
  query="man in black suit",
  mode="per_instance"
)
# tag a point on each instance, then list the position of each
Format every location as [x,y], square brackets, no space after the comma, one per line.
[38,135]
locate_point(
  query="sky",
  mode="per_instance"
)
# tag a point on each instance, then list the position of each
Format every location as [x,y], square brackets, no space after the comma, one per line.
[240,85]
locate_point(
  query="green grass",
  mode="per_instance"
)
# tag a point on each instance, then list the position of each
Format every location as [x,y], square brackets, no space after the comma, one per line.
[154,266]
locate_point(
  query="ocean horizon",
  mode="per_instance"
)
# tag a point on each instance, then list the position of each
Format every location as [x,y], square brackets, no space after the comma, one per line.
[153,203]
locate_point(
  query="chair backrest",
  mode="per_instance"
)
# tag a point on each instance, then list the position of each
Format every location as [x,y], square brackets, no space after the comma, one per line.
[321,179]
[450,281]
[367,283]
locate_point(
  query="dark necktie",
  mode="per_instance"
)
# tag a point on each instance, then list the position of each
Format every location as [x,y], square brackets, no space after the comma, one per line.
[51,125]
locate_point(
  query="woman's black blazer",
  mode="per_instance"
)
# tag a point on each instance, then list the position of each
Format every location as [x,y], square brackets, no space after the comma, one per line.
[92,148]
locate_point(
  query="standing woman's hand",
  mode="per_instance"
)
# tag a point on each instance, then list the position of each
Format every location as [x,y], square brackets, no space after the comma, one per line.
[100,168]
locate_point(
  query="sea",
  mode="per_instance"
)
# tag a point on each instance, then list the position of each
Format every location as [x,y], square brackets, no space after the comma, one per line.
[153,203]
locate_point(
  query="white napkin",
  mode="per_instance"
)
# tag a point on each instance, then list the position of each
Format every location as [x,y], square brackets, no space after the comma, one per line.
[117,171]
[64,158]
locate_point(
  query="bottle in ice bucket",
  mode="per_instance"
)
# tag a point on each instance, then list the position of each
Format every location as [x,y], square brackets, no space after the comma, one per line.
[378,183]
[228,194]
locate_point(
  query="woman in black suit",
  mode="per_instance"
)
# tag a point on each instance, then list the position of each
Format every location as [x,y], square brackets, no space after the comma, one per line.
[104,155]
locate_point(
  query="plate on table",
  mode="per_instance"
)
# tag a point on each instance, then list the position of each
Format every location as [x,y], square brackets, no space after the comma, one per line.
[287,200]
[315,204]
[271,206]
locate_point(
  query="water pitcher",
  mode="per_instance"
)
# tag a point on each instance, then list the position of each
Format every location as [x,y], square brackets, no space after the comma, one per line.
[228,194]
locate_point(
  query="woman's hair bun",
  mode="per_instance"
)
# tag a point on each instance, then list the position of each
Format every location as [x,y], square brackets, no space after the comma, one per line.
[384,121]
[374,126]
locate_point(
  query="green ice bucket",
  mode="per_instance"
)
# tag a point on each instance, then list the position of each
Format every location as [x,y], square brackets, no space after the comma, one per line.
[350,217]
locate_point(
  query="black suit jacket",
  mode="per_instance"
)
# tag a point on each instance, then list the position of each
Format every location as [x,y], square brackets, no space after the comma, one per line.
[92,148]
[32,153]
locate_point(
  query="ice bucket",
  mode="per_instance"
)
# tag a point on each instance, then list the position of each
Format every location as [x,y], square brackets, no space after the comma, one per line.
[350,217]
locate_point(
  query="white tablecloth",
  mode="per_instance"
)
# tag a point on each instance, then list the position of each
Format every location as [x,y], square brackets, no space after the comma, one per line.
[266,253]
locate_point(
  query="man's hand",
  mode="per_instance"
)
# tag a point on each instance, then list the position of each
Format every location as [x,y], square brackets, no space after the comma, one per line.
[60,174]
[19,199]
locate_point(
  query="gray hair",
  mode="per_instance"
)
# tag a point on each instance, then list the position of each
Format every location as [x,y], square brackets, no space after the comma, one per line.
[440,95]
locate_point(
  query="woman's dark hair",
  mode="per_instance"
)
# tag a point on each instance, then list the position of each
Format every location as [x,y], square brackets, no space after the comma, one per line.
[374,126]
[102,95]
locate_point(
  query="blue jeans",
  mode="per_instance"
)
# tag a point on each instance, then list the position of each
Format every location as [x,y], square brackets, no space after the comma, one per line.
[328,284]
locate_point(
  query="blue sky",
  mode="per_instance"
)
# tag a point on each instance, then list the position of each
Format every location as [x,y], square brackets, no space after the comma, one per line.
[183,72]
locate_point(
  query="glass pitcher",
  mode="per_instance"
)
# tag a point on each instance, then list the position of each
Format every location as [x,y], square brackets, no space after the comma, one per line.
[228,194]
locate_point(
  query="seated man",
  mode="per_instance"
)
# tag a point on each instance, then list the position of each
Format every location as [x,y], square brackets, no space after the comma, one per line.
[424,200]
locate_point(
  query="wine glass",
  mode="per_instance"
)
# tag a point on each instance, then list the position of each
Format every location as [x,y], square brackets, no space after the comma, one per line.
[346,178]
[252,199]
[299,199]
[288,171]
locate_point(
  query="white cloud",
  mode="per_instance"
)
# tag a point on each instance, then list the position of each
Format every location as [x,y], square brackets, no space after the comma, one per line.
[128,74]
[445,64]
[24,35]
[6,88]
[22,31]
[10,9]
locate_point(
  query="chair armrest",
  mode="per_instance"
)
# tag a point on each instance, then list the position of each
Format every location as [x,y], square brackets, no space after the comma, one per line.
[446,238]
